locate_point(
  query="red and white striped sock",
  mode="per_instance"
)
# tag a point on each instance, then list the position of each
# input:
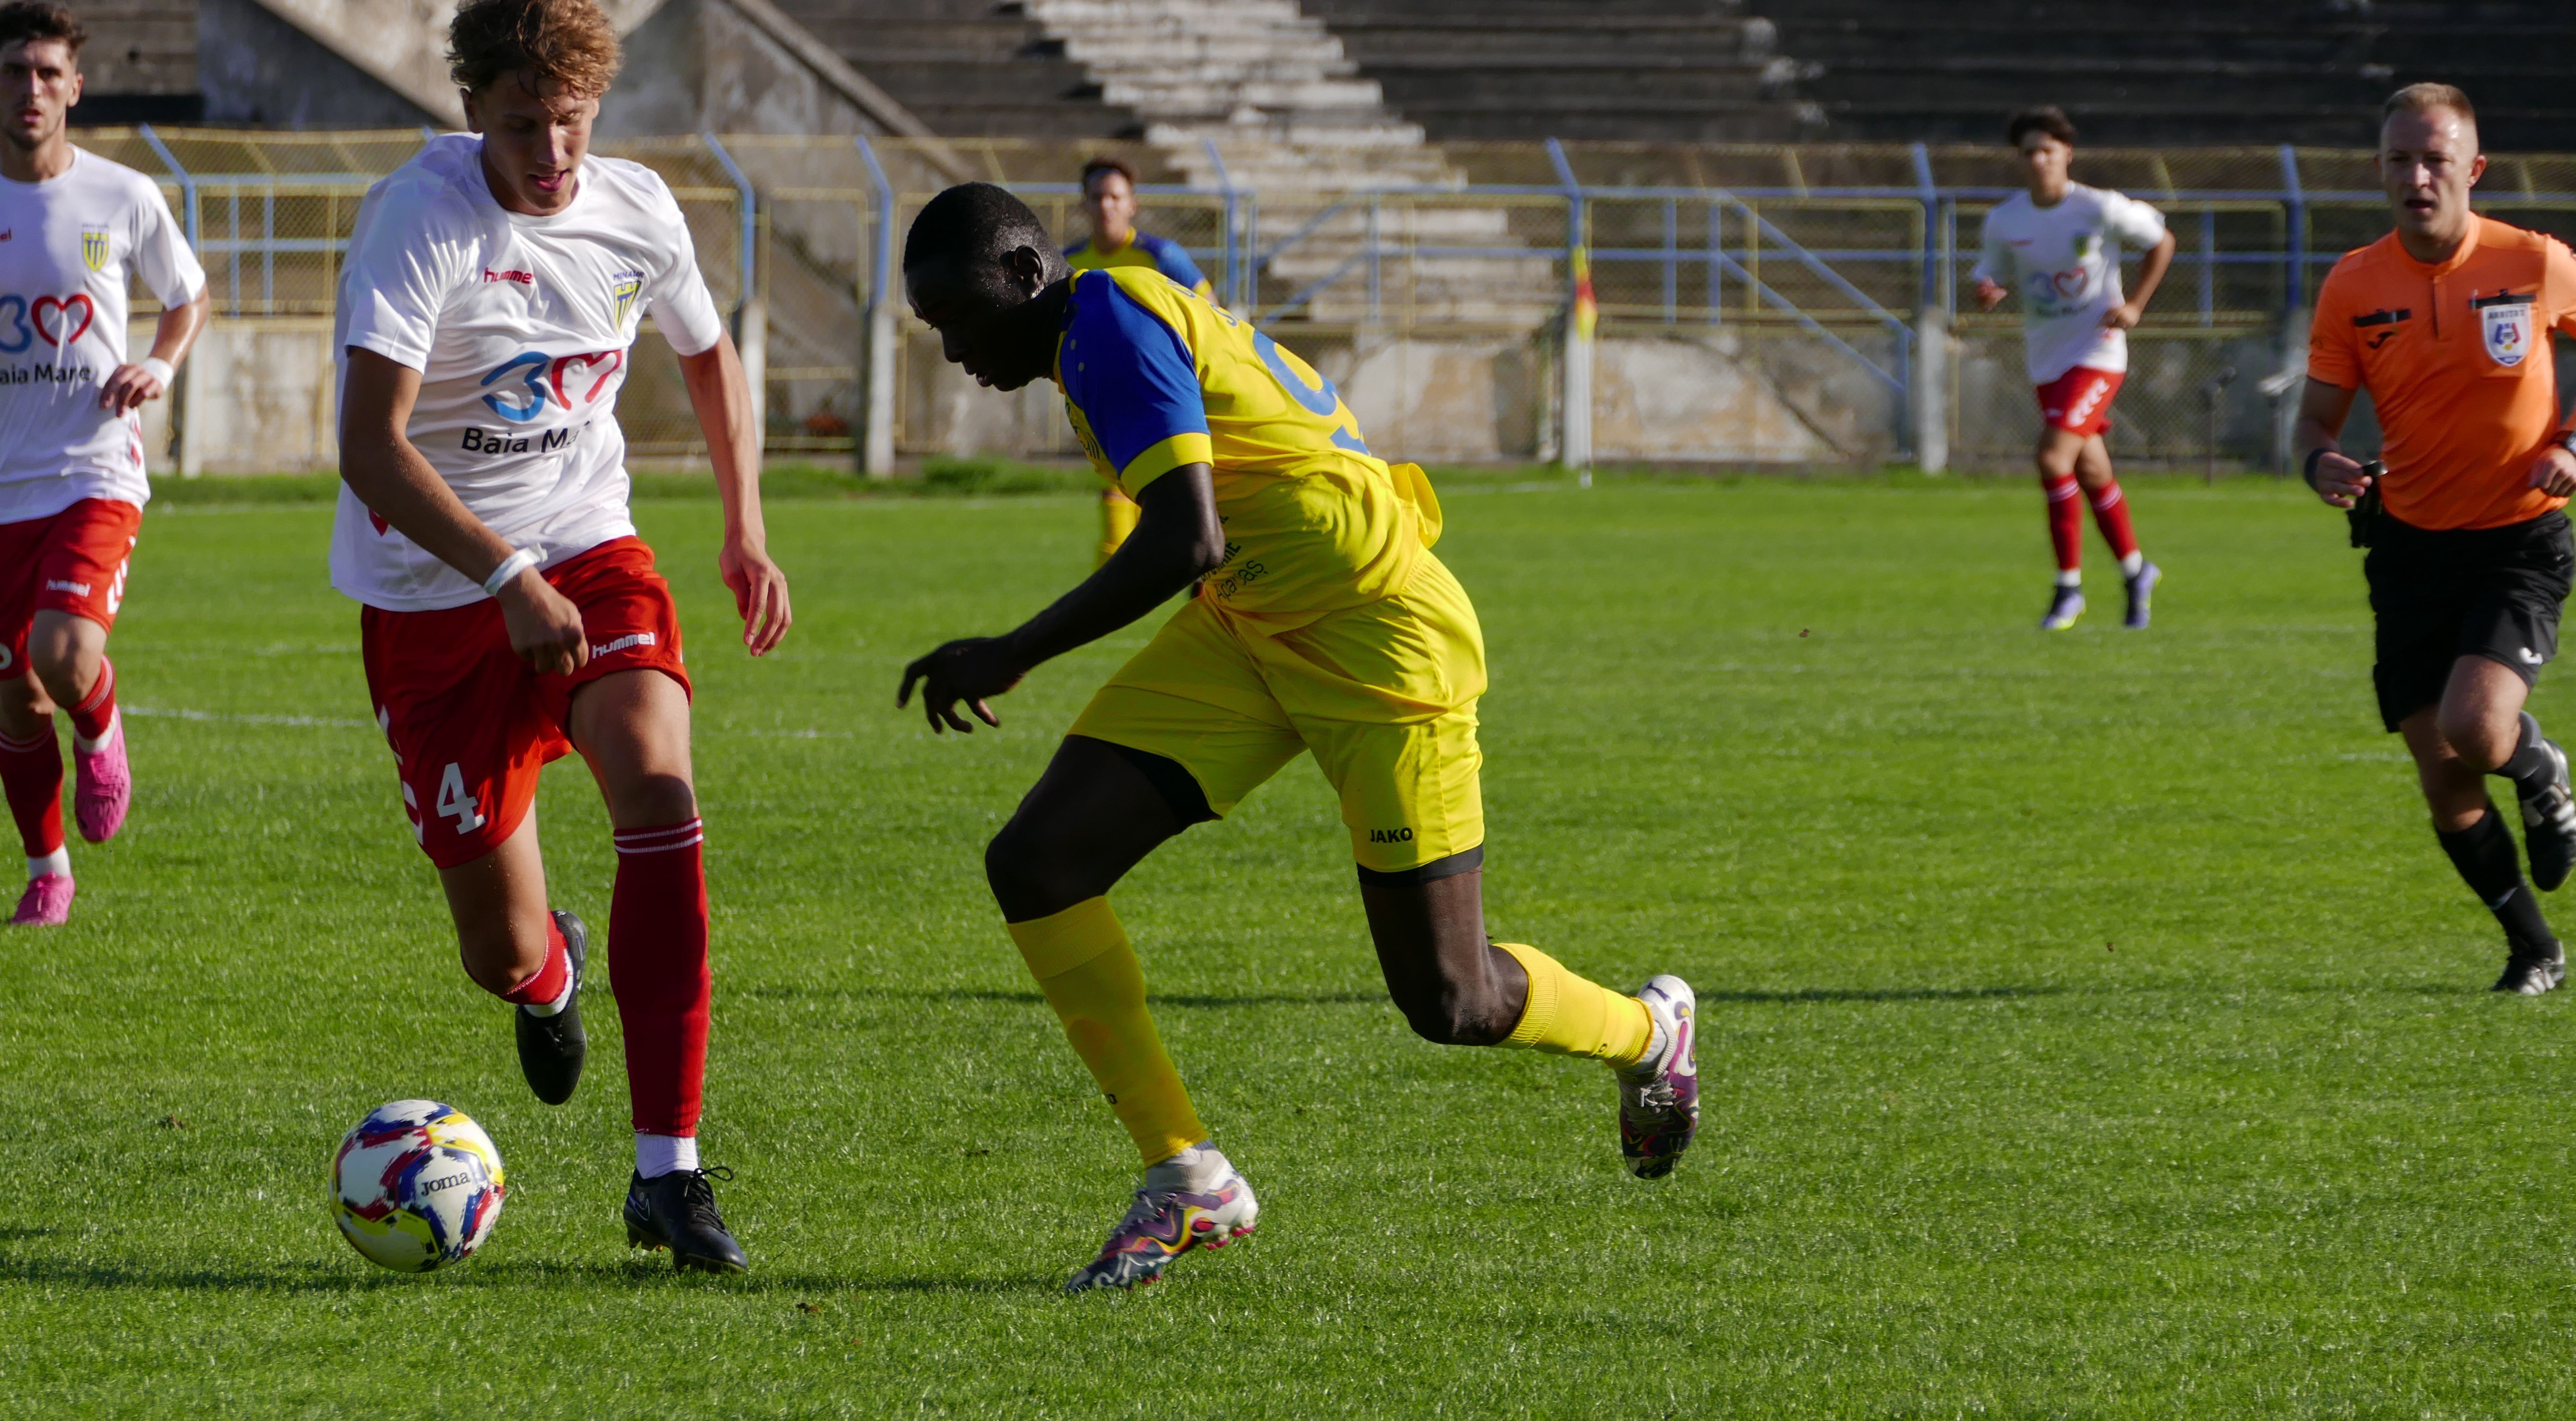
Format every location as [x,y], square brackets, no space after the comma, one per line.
[31,772]
[657,963]
[2065,527]
[2111,515]
[96,714]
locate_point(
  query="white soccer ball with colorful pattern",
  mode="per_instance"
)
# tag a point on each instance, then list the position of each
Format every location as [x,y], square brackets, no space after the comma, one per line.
[416,1186]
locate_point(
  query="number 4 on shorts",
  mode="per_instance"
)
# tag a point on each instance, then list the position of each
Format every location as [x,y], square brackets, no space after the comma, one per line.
[455,803]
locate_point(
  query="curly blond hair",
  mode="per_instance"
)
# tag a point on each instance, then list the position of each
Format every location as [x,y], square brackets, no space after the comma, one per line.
[567,41]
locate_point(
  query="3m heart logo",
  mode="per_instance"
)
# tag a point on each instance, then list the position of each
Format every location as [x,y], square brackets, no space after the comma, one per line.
[604,362]
[62,332]
[2069,284]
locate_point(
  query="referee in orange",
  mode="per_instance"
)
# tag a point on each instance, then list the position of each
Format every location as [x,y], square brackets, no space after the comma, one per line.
[2446,322]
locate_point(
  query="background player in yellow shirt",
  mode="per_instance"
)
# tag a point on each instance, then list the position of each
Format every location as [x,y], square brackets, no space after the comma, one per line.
[1321,622]
[1109,200]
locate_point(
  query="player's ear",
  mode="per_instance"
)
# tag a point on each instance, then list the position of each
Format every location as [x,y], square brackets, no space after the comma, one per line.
[2477,169]
[1028,269]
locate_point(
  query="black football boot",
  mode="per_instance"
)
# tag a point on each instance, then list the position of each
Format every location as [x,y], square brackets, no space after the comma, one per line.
[551,1048]
[2532,971]
[677,1211]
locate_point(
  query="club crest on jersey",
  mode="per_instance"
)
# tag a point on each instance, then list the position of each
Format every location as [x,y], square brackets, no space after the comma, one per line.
[2508,332]
[94,248]
[623,288]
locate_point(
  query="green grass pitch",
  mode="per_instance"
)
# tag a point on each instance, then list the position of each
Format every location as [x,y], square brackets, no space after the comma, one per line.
[2090,1025]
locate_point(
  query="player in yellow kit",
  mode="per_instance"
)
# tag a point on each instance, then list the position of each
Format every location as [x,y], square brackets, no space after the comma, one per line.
[1109,201]
[1321,622]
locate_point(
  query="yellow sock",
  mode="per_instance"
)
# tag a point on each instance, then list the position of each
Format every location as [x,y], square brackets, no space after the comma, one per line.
[1569,1016]
[1090,975]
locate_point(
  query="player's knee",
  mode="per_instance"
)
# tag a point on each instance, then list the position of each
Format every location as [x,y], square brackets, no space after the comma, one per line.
[649,800]
[493,959]
[1026,872]
[2482,744]
[1453,1014]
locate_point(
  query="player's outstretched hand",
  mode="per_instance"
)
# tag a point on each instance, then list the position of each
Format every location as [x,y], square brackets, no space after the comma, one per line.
[128,386]
[2554,472]
[544,625]
[1990,293]
[972,670]
[759,594]
[2340,481]
[2124,316]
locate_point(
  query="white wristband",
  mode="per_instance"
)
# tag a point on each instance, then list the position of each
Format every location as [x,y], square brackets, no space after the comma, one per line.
[517,562]
[158,368]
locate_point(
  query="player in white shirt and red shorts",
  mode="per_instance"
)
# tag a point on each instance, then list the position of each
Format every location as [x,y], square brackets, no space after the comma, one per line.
[2059,246]
[492,296]
[74,230]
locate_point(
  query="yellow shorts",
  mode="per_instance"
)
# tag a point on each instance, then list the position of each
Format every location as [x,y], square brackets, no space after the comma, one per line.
[1384,694]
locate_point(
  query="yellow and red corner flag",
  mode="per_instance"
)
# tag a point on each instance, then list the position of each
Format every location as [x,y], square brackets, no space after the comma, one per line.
[1587,311]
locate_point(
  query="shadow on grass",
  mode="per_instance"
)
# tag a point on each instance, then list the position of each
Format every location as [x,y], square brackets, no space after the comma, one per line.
[1029,998]
[322,1278]
[1879,994]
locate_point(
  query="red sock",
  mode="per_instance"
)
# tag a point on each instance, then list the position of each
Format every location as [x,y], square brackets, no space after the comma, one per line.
[2111,515]
[32,773]
[657,960]
[548,983]
[2065,521]
[90,718]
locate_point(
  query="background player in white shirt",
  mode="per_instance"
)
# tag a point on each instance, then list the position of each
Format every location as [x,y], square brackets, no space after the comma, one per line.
[492,296]
[2059,245]
[74,230]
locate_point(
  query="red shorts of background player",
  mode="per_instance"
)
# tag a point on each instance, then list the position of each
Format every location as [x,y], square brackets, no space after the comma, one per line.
[2079,401]
[72,562]
[472,724]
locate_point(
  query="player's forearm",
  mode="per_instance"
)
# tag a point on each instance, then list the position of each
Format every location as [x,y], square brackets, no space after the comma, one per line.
[2152,269]
[720,394]
[176,332]
[391,478]
[1178,539]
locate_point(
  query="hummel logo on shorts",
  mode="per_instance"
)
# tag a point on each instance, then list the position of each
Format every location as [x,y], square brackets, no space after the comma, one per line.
[626,643]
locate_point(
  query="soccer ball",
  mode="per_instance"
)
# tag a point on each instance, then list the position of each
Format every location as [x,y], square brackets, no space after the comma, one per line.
[416,1186]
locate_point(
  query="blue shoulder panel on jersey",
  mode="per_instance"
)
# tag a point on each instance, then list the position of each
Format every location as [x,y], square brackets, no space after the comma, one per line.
[1076,249]
[1173,259]
[1129,373]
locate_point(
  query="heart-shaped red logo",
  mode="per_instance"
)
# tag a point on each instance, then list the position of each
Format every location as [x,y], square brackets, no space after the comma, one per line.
[2069,284]
[611,360]
[63,332]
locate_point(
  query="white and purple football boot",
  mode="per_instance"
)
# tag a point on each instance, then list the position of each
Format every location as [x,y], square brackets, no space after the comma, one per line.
[1170,1216]
[1659,1096]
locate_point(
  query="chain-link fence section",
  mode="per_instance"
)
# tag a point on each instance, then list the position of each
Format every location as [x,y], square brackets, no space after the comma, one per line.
[1754,303]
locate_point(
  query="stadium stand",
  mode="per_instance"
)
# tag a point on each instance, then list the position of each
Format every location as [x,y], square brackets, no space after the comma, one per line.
[969,68]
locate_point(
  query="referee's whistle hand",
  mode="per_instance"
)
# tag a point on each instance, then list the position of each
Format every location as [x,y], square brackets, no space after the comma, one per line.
[2340,480]
[2554,472]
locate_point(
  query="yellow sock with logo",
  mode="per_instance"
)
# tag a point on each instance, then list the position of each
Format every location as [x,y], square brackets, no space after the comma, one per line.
[1089,972]
[1568,1016]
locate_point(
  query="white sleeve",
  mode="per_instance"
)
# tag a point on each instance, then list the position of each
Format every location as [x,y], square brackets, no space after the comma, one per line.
[676,297]
[161,256]
[399,272]
[2131,223]
[1994,259]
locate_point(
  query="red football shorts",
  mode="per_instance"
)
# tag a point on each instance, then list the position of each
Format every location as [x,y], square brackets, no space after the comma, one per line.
[472,724]
[72,562]
[2079,401]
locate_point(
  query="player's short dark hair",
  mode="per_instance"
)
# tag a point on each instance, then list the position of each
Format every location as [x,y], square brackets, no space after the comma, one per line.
[972,224]
[2047,118]
[1107,164]
[2424,98]
[567,41]
[26,20]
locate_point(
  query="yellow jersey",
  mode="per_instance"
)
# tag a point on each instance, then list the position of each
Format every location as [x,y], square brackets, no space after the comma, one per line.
[1142,250]
[1155,377]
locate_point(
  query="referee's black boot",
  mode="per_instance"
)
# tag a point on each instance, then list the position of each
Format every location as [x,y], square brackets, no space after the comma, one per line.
[2548,808]
[2531,973]
[677,1211]
[552,1048]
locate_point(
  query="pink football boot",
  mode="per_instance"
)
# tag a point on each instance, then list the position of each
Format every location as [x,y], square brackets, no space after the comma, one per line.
[101,786]
[47,902]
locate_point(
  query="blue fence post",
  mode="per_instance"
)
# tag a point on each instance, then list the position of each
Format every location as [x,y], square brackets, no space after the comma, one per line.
[1232,285]
[750,313]
[182,402]
[877,355]
[1931,199]
[2295,293]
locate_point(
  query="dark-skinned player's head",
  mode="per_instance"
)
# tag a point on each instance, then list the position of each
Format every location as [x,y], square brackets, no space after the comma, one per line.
[974,260]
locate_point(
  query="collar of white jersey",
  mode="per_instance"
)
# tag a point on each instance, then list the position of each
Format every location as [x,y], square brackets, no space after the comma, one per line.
[65,175]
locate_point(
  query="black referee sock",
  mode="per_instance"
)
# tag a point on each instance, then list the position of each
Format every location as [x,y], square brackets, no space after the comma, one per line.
[2485,856]
[2531,769]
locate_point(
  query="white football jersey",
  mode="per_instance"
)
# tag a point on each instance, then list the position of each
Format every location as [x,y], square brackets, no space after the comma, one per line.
[69,247]
[521,328]
[2065,262]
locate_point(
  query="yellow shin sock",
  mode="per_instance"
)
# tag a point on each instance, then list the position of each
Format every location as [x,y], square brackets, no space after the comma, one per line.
[1569,1016]
[1090,975]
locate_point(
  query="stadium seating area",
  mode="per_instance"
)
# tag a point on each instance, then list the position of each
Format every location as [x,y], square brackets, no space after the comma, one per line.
[969,68]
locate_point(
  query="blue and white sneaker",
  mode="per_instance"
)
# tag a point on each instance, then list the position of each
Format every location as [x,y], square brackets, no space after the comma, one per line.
[2065,604]
[2142,589]
[1659,1096]
[1169,1217]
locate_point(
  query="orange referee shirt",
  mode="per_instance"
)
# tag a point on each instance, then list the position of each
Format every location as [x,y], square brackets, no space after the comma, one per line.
[2457,360]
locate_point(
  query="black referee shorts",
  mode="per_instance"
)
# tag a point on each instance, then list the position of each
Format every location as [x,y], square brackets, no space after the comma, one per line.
[2441,594]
